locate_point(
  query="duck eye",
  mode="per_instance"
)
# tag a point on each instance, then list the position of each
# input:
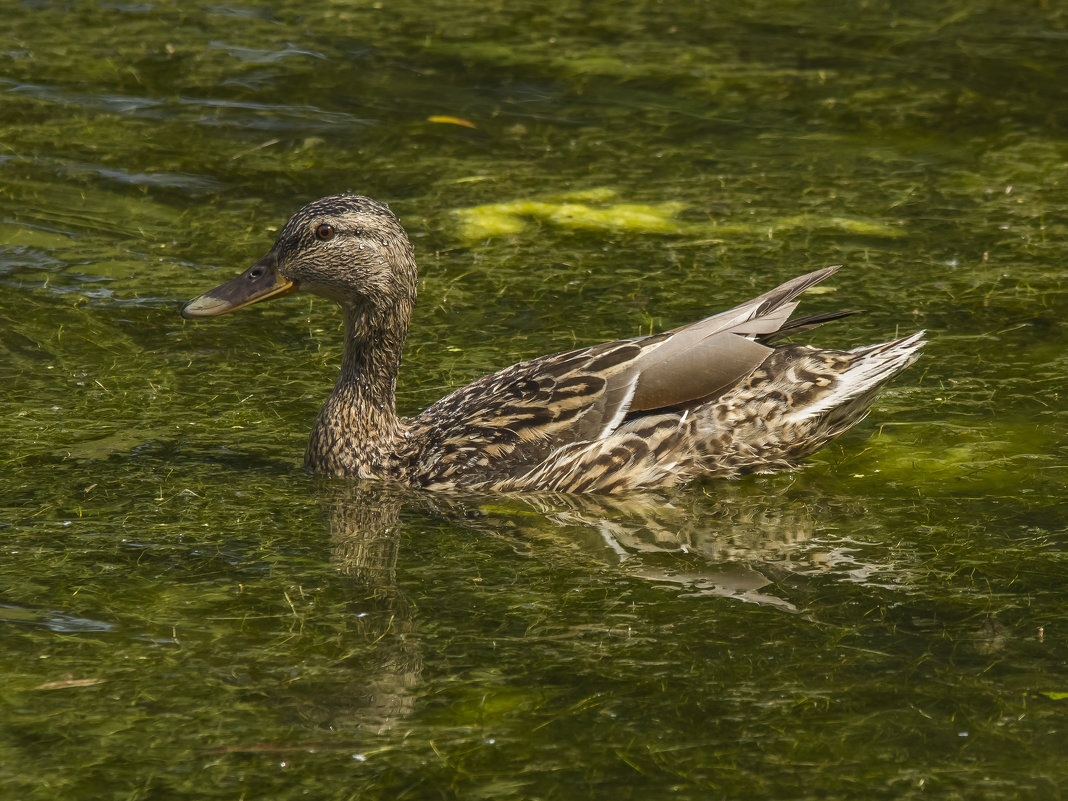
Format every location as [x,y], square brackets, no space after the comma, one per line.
[324,232]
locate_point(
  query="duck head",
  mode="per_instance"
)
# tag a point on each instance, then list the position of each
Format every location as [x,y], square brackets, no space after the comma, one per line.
[348,248]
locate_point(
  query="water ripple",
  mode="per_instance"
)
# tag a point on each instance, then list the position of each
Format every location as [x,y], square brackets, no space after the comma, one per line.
[56,621]
[255,55]
[202,111]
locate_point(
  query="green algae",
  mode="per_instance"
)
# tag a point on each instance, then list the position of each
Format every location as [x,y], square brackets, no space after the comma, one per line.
[186,615]
[513,217]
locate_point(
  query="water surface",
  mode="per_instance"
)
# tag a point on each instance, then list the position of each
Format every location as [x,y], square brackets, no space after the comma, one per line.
[185,614]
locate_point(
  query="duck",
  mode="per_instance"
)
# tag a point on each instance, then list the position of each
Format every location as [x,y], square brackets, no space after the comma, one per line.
[717,398]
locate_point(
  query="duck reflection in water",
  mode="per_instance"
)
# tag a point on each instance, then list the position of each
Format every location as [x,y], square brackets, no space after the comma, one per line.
[748,544]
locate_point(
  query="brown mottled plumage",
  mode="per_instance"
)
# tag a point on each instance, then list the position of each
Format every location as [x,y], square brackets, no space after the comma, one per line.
[710,398]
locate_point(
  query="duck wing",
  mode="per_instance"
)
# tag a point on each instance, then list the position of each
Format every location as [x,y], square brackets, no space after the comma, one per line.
[507,423]
[699,360]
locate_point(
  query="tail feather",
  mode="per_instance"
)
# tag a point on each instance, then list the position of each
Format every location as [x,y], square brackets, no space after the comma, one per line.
[784,293]
[802,324]
[856,387]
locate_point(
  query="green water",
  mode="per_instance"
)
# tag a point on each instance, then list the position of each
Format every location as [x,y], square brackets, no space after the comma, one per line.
[185,614]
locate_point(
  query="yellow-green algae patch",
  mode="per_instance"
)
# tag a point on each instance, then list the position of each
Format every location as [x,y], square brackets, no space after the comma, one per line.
[983,458]
[592,210]
[587,210]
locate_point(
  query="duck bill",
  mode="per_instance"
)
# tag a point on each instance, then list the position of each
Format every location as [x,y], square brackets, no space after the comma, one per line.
[261,281]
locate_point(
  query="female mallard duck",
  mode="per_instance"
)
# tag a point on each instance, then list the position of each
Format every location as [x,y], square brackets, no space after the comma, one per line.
[710,398]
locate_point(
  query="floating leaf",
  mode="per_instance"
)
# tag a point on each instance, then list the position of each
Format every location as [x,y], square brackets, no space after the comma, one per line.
[445,120]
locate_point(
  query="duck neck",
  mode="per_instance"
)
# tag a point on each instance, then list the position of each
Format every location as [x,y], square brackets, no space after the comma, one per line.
[358,431]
